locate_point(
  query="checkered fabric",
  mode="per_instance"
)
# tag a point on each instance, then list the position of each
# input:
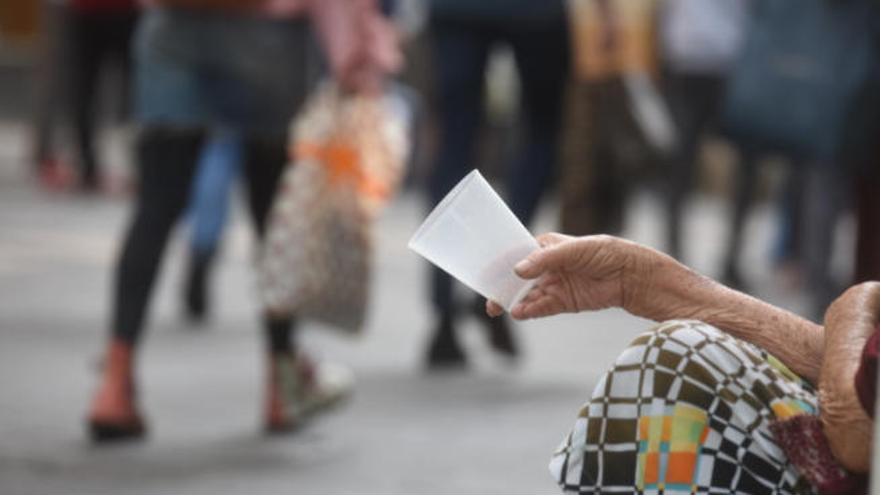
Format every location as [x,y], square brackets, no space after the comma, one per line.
[686,409]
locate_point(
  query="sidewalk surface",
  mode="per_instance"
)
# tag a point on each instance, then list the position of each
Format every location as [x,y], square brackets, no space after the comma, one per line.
[490,430]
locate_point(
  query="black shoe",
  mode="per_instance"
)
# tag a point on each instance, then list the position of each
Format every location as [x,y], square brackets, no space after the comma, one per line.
[195,295]
[444,351]
[500,336]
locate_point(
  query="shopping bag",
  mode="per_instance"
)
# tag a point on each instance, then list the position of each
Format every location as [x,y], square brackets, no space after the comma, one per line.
[803,69]
[348,154]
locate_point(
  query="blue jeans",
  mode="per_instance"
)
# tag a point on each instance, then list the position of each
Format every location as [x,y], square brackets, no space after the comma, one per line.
[203,69]
[217,171]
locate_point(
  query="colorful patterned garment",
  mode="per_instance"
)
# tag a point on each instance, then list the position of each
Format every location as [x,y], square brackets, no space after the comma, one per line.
[686,409]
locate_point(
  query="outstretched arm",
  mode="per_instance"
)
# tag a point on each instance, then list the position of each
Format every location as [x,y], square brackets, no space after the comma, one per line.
[597,272]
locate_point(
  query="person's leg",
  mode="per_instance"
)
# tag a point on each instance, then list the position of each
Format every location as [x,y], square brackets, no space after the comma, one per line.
[88,52]
[608,189]
[296,386]
[542,64]
[459,53]
[541,55]
[693,101]
[686,408]
[264,160]
[868,226]
[217,171]
[577,213]
[787,247]
[50,95]
[122,44]
[166,161]
[743,195]
[825,194]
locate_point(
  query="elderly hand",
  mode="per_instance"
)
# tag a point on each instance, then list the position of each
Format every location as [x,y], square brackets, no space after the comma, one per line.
[583,273]
[849,322]
[598,272]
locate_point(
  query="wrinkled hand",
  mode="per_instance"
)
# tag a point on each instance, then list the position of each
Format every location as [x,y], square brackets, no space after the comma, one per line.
[578,274]
[849,322]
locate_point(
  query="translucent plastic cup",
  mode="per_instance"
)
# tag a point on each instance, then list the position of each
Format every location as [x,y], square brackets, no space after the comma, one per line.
[473,236]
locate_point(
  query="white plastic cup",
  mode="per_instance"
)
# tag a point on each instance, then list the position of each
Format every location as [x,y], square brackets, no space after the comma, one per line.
[473,236]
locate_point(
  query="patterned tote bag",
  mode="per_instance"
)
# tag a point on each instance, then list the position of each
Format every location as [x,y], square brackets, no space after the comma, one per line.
[348,154]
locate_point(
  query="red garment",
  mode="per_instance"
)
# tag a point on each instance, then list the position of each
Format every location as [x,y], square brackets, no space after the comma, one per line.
[866,376]
[804,443]
[101,6]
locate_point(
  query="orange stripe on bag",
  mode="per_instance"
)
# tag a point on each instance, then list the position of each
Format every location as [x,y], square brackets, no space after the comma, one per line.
[343,165]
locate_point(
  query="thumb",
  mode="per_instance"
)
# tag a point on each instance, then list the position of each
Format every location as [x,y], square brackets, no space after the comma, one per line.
[542,260]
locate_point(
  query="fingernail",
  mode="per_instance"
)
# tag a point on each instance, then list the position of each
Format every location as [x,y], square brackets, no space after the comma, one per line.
[523,266]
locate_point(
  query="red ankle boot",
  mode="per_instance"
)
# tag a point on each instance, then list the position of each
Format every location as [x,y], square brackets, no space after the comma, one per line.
[114,414]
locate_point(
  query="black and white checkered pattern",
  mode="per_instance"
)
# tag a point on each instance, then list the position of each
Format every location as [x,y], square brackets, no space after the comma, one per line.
[686,367]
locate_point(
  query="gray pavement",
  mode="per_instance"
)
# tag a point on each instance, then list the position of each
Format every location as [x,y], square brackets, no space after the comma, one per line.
[488,431]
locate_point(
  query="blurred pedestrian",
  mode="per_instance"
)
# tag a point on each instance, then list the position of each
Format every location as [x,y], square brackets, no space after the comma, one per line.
[202,64]
[100,36]
[611,40]
[823,115]
[463,33]
[700,40]
[51,74]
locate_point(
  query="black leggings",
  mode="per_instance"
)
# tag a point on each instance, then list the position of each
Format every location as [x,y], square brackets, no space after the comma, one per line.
[167,162]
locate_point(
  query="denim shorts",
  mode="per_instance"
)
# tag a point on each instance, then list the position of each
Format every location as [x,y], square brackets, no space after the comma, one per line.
[245,73]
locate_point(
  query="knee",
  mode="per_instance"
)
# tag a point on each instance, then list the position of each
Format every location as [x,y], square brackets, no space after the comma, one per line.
[680,336]
[649,365]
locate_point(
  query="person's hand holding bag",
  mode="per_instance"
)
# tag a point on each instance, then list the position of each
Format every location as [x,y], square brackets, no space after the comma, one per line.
[361,45]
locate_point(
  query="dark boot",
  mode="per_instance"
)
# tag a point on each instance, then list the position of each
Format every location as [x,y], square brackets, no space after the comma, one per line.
[444,351]
[500,335]
[196,295]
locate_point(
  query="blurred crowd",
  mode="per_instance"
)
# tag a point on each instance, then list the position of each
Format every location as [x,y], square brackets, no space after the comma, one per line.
[592,100]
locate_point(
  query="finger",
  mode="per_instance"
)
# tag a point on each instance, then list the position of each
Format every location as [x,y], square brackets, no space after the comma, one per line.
[551,238]
[537,308]
[533,295]
[548,280]
[494,309]
[551,257]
